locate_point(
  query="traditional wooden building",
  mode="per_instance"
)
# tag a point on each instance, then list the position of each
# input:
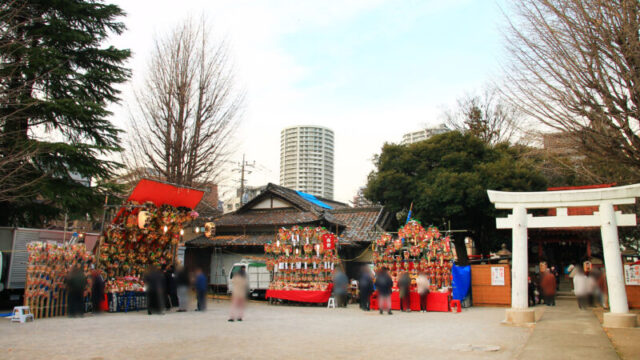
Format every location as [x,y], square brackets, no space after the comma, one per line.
[568,245]
[243,233]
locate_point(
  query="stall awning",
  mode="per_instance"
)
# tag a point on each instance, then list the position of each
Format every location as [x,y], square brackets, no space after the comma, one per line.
[163,193]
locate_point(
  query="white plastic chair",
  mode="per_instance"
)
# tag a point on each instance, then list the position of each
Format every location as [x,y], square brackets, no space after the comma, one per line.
[331,303]
[22,314]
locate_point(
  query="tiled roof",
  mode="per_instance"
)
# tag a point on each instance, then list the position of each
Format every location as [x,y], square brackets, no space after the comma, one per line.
[360,222]
[353,225]
[231,240]
[267,217]
[206,210]
[294,198]
[360,225]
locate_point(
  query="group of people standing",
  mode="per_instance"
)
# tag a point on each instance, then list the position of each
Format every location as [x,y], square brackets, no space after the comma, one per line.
[167,288]
[589,289]
[76,284]
[383,284]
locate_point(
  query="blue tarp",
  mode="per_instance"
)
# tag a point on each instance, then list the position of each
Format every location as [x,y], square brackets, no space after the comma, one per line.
[461,281]
[312,199]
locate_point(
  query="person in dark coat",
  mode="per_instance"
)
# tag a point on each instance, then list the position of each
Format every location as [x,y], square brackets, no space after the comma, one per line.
[366,288]
[76,284]
[201,290]
[404,285]
[556,274]
[97,291]
[154,282]
[171,287]
[384,284]
[531,291]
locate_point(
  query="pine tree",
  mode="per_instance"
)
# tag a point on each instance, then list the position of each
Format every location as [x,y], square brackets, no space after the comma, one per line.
[56,81]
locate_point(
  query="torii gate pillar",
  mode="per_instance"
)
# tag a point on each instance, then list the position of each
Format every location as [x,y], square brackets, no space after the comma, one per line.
[607,219]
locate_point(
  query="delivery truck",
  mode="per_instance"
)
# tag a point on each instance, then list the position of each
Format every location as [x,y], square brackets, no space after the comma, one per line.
[258,277]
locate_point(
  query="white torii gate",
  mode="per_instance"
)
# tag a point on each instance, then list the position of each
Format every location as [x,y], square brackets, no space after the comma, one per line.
[606,218]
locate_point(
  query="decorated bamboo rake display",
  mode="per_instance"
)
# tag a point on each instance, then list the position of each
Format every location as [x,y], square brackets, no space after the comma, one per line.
[48,265]
[416,250]
[141,236]
[302,258]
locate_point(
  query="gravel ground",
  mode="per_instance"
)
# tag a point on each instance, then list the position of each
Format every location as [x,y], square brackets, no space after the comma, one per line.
[269,331]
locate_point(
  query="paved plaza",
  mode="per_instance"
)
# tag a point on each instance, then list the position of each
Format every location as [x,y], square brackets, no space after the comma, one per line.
[299,332]
[269,331]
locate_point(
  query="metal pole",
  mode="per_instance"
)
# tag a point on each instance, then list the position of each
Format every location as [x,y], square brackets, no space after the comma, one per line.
[64,234]
[101,237]
[242,182]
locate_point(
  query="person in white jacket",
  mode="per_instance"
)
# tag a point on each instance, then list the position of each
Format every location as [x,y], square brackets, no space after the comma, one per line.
[581,287]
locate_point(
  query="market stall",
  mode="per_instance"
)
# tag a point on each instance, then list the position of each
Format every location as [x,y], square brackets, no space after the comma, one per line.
[48,265]
[416,250]
[146,232]
[301,261]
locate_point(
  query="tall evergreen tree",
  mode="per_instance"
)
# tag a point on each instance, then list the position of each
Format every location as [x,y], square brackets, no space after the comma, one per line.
[447,177]
[56,81]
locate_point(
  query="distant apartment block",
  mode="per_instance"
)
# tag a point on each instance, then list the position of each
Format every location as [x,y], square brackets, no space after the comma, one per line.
[424,134]
[306,160]
[237,200]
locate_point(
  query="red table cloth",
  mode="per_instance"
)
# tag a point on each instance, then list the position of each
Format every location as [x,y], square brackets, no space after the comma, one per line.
[436,301]
[300,295]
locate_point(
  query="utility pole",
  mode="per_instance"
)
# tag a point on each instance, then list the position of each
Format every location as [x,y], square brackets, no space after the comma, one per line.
[243,168]
[242,182]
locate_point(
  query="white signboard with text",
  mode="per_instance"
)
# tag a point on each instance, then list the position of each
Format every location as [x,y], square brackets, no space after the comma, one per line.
[632,274]
[497,276]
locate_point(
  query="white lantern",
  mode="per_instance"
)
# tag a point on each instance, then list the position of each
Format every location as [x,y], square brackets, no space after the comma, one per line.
[142,218]
[209,229]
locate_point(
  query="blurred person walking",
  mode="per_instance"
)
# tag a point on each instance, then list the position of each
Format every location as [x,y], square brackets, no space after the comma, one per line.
[366,288]
[183,282]
[201,290]
[154,284]
[423,284]
[604,290]
[340,283]
[238,295]
[171,299]
[76,283]
[404,285]
[548,286]
[592,287]
[556,274]
[581,287]
[97,291]
[531,289]
[384,284]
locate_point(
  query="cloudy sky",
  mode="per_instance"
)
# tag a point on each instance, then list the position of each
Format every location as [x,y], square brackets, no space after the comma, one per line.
[371,70]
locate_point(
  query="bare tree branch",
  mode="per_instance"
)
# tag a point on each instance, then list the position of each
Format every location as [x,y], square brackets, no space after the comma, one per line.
[487,116]
[188,109]
[575,67]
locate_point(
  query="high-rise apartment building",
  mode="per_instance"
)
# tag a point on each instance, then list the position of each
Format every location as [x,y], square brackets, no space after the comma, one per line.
[424,134]
[306,160]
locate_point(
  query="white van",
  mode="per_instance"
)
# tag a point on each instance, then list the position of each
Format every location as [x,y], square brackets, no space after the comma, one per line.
[258,277]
